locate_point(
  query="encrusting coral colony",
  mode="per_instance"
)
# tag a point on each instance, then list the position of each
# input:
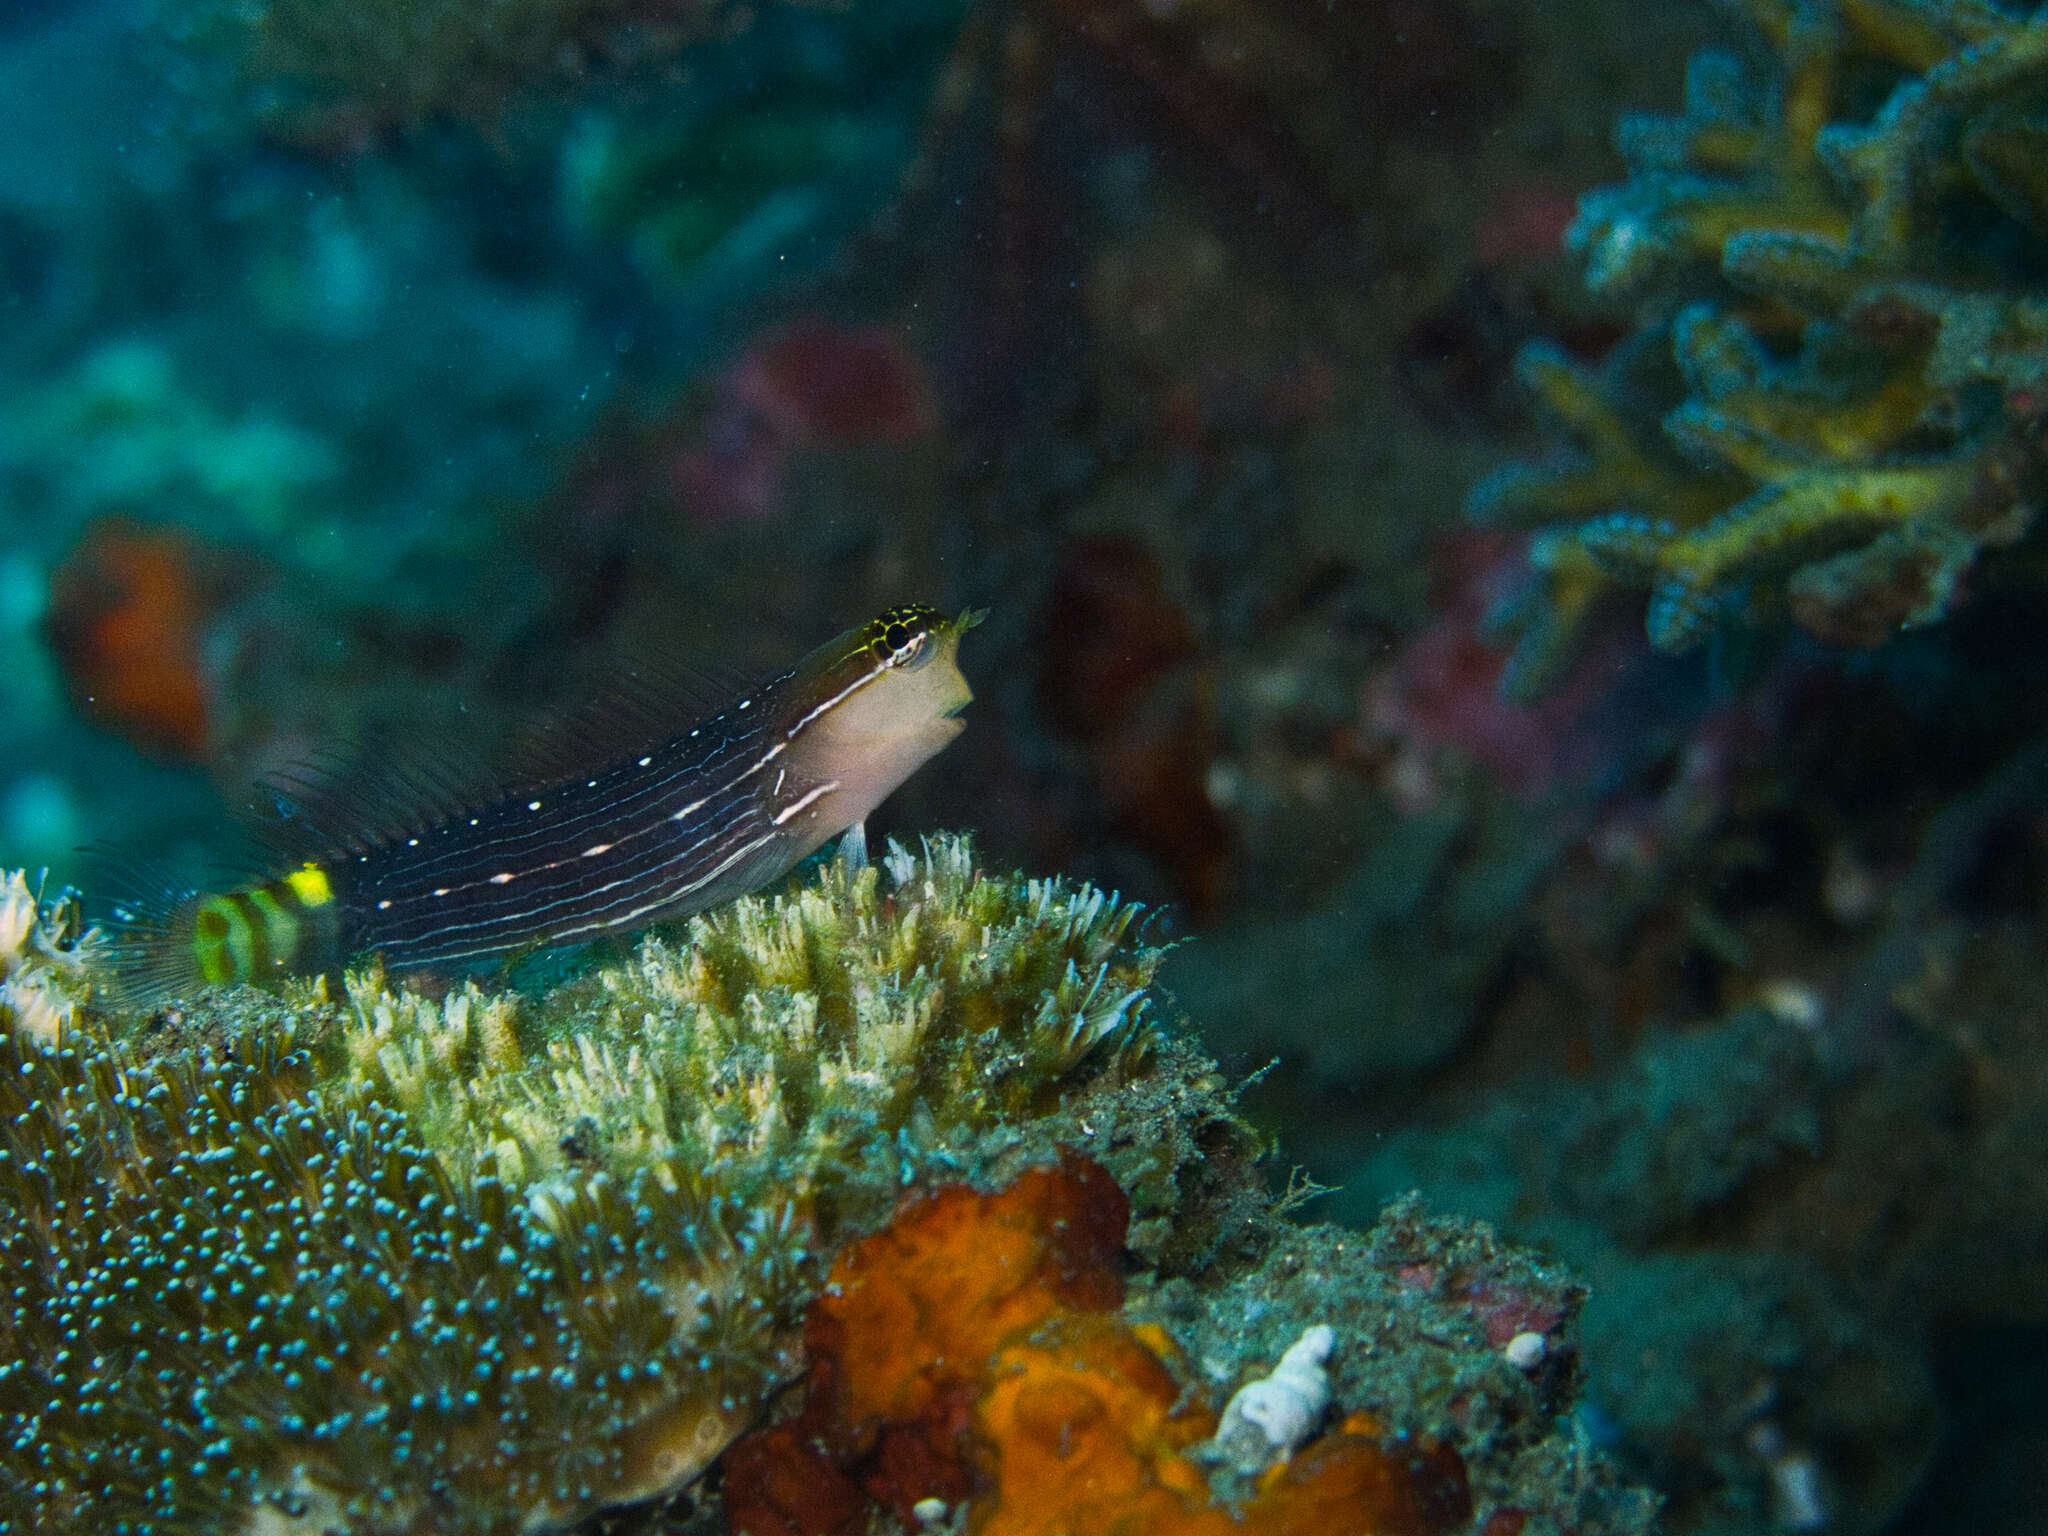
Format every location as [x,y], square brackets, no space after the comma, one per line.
[380,1263]
[1836,396]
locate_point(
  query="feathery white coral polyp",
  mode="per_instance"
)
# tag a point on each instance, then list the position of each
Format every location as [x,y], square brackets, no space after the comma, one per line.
[42,982]
[1270,1417]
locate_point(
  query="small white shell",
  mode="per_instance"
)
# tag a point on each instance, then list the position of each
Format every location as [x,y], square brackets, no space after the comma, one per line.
[1269,1417]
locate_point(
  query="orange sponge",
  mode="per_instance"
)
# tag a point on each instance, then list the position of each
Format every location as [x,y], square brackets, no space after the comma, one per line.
[973,1351]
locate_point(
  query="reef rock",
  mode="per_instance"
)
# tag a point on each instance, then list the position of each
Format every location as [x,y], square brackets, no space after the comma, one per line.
[384,1263]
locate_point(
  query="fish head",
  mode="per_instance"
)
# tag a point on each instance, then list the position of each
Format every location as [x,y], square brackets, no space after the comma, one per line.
[911,683]
[881,701]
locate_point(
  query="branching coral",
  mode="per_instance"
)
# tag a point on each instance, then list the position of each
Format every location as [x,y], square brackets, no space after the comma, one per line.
[1837,395]
[396,1265]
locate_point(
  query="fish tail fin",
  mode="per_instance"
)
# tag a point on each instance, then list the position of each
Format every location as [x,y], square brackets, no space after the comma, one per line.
[165,939]
[147,952]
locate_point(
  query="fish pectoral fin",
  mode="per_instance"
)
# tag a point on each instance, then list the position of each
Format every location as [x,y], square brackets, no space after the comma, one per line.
[853,848]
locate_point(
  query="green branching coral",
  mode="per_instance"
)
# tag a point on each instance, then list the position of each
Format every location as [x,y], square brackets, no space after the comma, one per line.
[487,1264]
[1837,394]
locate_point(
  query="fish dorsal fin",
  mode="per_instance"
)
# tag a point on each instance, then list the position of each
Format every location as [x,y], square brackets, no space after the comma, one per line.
[638,706]
[376,792]
[335,803]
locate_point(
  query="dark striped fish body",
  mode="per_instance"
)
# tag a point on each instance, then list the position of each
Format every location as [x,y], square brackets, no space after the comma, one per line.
[717,809]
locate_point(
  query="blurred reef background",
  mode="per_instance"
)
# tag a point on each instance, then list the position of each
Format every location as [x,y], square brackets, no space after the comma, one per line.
[1516,524]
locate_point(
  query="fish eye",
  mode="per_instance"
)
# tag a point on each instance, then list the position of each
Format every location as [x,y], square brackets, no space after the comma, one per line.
[900,638]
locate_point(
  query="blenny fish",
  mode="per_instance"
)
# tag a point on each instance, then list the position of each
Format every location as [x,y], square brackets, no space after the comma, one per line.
[709,813]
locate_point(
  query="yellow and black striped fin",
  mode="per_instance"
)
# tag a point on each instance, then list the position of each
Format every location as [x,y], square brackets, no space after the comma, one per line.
[170,942]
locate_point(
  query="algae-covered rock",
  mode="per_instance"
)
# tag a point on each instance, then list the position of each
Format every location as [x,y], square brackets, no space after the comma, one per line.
[983,1370]
[388,1264]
